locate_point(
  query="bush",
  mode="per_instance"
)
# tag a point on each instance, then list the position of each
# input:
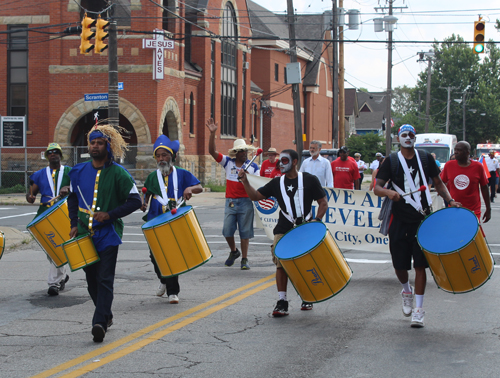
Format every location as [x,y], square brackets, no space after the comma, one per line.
[14,189]
[215,187]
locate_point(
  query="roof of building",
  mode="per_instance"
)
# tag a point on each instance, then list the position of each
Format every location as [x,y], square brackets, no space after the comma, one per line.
[369,121]
[351,102]
[372,101]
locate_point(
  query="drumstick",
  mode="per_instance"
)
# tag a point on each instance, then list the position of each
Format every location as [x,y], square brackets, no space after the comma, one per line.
[174,210]
[85,202]
[421,189]
[144,190]
[259,151]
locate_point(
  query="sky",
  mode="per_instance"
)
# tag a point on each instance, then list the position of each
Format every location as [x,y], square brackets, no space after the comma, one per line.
[419,20]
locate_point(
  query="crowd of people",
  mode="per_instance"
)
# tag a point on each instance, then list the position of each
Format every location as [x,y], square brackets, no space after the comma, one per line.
[92,212]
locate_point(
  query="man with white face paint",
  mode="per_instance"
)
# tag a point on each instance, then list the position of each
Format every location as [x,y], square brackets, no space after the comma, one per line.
[407,171]
[318,165]
[290,215]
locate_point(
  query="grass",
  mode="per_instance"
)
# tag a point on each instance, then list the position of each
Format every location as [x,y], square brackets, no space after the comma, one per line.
[15,189]
[215,187]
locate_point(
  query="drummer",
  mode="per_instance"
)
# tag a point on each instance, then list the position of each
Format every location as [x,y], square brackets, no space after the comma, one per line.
[286,187]
[103,192]
[166,187]
[52,183]
[406,169]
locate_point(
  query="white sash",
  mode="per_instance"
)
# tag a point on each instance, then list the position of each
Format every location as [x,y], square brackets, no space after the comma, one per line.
[298,200]
[417,202]
[163,199]
[48,172]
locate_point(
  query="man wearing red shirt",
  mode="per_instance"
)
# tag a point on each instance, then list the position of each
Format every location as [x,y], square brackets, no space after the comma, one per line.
[345,171]
[464,177]
[268,167]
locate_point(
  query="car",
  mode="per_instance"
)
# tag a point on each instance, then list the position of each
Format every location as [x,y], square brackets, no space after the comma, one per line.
[330,154]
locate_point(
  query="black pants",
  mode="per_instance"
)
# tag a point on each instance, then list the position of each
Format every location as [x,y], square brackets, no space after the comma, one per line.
[492,182]
[172,282]
[100,279]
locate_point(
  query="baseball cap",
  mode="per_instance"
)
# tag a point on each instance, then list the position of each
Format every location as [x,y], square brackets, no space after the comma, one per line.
[343,149]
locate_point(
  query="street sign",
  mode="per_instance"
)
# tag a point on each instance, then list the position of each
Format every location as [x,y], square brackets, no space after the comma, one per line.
[120,86]
[13,131]
[96,97]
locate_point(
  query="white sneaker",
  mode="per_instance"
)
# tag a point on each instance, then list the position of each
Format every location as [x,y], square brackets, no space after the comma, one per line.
[174,299]
[161,290]
[417,317]
[407,302]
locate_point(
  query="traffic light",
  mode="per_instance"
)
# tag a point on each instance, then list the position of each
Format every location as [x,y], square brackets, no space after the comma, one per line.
[87,35]
[479,28]
[101,35]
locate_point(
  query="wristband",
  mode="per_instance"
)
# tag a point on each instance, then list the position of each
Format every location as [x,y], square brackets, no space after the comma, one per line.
[318,219]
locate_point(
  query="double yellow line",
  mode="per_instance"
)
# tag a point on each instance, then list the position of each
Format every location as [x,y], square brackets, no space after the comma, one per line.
[143,337]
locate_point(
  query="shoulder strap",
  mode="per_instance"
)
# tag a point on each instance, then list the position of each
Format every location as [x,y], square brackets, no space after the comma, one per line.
[424,160]
[394,164]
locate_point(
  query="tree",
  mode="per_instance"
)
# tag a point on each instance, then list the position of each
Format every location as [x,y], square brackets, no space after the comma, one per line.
[367,145]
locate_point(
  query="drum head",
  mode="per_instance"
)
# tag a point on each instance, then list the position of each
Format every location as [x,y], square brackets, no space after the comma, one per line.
[50,210]
[300,240]
[448,230]
[166,217]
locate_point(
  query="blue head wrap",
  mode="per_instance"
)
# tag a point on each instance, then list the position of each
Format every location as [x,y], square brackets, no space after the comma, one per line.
[408,128]
[171,146]
[98,134]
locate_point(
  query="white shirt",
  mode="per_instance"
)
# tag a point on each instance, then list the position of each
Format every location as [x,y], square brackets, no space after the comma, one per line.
[321,168]
[374,165]
[491,163]
[361,165]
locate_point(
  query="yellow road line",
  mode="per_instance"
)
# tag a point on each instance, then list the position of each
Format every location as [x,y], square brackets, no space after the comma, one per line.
[138,334]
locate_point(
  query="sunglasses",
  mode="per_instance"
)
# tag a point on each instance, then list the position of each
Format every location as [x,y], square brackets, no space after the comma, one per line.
[52,152]
[405,135]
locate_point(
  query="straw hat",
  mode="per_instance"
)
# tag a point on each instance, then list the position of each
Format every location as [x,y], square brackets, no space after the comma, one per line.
[271,151]
[240,145]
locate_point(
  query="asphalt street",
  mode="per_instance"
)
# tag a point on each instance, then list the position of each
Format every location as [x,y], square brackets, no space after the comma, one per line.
[223,324]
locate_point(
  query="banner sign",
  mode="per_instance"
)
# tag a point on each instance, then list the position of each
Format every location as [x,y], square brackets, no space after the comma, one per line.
[352,216]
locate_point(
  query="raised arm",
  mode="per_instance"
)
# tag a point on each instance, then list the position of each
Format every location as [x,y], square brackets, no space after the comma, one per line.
[212,126]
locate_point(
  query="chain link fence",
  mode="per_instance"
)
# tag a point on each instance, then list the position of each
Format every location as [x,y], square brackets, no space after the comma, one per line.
[18,164]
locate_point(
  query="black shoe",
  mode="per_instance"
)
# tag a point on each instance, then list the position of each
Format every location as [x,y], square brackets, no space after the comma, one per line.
[98,332]
[110,323]
[306,306]
[232,256]
[53,291]
[62,284]
[281,308]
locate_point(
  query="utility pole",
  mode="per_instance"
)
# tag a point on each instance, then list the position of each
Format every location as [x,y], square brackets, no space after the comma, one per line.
[427,56]
[341,105]
[335,78]
[113,100]
[295,87]
[388,137]
[448,108]
[463,114]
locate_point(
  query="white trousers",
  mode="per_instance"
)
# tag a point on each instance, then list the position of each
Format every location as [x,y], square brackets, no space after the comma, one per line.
[56,275]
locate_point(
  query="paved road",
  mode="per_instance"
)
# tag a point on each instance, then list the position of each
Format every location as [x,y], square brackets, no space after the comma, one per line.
[223,326]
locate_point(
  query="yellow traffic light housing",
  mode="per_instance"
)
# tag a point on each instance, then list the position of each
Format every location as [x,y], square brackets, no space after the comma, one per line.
[87,35]
[479,28]
[100,35]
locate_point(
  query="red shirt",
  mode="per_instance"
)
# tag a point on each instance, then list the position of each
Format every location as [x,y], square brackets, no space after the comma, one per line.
[266,169]
[464,182]
[344,173]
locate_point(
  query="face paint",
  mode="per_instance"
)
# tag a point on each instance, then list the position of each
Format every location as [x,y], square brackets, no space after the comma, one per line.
[407,140]
[285,163]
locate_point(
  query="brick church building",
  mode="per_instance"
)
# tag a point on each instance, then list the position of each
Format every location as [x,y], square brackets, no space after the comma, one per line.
[227,62]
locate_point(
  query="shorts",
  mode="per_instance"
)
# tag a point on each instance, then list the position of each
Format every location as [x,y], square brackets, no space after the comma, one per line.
[404,246]
[276,261]
[239,216]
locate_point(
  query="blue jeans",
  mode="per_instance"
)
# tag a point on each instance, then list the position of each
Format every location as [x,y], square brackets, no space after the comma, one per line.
[240,216]
[100,279]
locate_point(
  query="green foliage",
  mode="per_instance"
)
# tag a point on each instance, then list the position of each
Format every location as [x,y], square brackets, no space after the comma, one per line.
[214,187]
[367,145]
[14,189]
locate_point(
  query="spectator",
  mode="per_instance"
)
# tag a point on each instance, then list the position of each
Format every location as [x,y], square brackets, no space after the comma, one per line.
[493,168]
[375,164]
[269,165]
[318,165]
[238,212]
[345,171]
[361,167]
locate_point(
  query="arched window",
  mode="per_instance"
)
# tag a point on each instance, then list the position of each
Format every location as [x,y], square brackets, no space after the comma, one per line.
[191,114]
[228,71]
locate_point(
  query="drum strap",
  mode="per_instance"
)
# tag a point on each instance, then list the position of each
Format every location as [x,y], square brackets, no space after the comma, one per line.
[417,202]
[163,199]
[48,172]
[298,200]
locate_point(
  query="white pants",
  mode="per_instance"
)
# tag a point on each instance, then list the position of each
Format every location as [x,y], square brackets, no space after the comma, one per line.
[56,275]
